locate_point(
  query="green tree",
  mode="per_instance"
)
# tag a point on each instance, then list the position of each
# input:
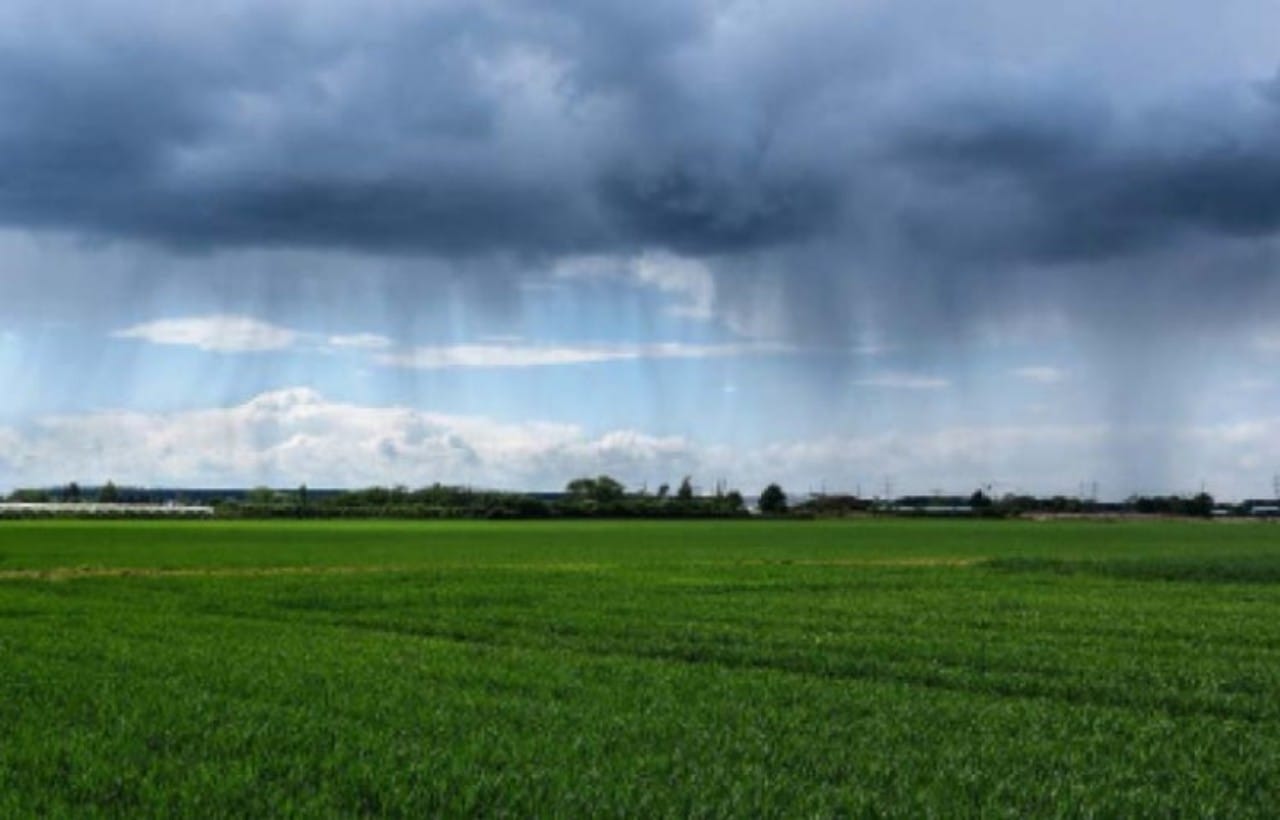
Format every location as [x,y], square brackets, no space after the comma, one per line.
[30,496]
[609,489]
[1201,505]
[601,488]
[581,487]
[685,493]
[773,501]
[109,494]
[262,495]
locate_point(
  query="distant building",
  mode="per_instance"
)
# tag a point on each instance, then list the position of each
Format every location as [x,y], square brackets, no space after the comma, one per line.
[170,509]
[936,505]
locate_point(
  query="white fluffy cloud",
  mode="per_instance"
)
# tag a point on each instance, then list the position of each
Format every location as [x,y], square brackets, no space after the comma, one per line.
[360,341]
[217,333]
[296,435]
[503,354]
[687,281]
[244,334]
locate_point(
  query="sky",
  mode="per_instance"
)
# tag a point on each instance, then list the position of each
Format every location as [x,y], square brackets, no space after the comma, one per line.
[865,246]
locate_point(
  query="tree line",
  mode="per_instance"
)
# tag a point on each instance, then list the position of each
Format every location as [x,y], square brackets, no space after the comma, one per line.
[603,496]
[587,497]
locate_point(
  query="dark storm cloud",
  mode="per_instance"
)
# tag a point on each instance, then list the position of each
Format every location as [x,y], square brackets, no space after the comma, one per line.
[1085,184]
[890,134]
[690,210]
[452,128]
[259,131]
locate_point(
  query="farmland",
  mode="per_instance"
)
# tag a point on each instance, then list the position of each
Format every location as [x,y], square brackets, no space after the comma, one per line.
[694,668]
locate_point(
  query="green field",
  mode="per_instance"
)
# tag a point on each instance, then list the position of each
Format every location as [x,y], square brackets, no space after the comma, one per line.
[712,669]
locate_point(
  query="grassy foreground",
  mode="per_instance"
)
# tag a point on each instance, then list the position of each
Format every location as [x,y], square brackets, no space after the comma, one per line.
[710,669]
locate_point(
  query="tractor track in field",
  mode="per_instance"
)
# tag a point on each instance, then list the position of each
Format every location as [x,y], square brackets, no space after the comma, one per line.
[75,573]
[923,561]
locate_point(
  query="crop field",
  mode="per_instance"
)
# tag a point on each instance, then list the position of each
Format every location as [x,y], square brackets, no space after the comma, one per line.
[750,668]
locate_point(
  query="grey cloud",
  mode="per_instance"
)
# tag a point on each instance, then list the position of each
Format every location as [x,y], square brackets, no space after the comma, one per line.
[378,133]
[689,209]
[887,160]
[1084,181]
[449,130]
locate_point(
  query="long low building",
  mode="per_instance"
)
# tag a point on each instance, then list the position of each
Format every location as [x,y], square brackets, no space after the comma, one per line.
[62,508]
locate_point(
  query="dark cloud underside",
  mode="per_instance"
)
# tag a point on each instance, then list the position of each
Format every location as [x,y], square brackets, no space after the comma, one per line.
[840,146]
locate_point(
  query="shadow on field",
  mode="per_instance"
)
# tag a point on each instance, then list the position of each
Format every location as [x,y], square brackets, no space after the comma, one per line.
[1226,570]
